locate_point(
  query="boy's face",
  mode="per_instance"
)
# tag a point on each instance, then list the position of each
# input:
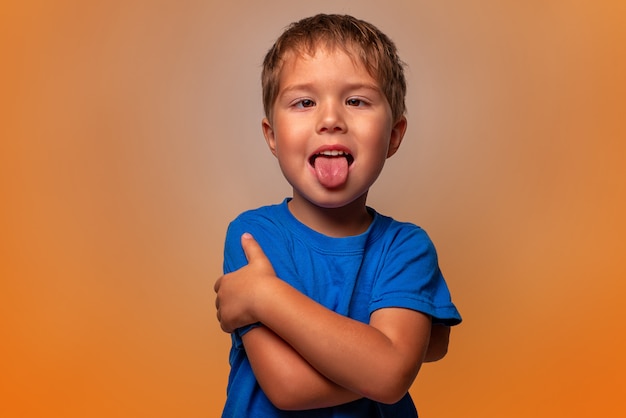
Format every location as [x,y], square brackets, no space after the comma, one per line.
[331,128]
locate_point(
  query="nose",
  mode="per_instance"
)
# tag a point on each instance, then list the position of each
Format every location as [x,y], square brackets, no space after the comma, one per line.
[331,118]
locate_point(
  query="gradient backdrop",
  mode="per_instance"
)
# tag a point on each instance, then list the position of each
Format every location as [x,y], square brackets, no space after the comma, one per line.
[130,137]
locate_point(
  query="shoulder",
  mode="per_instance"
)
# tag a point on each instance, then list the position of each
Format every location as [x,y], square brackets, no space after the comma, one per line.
[267,212]
[267,224]
[398,234]
[270,217]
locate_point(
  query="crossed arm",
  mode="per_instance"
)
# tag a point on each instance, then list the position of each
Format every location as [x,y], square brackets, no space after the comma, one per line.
[335,358]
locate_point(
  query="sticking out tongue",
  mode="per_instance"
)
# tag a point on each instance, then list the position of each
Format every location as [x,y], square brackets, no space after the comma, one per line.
[331,171]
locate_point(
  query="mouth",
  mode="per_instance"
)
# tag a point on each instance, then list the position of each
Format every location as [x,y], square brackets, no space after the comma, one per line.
[331,165]
[331,154]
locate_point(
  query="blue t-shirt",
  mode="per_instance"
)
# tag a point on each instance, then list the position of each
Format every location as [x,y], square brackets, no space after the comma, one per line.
[392,264]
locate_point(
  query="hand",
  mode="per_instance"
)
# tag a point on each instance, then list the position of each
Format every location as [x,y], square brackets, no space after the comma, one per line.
[238,291]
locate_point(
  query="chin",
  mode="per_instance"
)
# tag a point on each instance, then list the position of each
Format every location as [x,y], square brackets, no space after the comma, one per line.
[335,200]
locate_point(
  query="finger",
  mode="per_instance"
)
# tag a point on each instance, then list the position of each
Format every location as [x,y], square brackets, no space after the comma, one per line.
[251,248]
[217,284]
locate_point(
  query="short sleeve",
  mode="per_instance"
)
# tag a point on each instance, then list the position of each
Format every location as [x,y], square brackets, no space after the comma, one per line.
[410,278]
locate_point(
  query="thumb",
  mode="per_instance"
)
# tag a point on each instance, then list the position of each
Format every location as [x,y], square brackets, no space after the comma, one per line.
[251,248]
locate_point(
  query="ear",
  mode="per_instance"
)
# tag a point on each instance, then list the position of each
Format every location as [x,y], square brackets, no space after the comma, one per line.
[268,133]
[397,133]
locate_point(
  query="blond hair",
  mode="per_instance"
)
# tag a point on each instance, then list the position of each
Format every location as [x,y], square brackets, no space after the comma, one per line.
[359,39]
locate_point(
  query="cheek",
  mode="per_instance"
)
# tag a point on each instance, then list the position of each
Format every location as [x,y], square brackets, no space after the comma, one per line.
[291,139]
[379,141]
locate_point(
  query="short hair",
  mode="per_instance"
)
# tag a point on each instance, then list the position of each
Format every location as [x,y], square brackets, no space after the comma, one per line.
[359,39]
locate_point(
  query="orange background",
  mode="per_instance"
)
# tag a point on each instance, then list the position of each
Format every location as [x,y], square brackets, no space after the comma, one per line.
[130,137]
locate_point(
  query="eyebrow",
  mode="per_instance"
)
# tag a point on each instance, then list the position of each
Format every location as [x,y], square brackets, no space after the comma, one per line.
[349,87]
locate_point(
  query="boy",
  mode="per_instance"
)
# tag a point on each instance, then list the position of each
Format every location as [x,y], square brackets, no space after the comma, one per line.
[332,307]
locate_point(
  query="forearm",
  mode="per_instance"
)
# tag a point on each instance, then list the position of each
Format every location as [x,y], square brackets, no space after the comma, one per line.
[371,360]
[287,379]
[378,360]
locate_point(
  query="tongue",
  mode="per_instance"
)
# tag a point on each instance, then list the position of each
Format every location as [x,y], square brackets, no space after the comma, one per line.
[331,171]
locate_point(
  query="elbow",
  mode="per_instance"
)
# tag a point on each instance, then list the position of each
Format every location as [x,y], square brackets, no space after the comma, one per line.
[392,387]
[284,403]
[391,397]
[438,345]
[436,354]
[283,396]
[387,394]
[292,391]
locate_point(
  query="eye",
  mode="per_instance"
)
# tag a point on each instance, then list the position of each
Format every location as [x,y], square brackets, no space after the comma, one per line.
[303,103]
[353,101]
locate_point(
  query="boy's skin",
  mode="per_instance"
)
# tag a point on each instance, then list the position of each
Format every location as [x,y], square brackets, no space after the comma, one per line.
[326,101]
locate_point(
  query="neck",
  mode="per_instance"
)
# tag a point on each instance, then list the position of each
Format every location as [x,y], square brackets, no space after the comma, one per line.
[349,220]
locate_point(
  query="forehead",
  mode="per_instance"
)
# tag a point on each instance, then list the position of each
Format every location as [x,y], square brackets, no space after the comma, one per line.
[321,46]
[323,61]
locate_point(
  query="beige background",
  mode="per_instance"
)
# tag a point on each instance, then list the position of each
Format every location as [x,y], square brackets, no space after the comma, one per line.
[130,137]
